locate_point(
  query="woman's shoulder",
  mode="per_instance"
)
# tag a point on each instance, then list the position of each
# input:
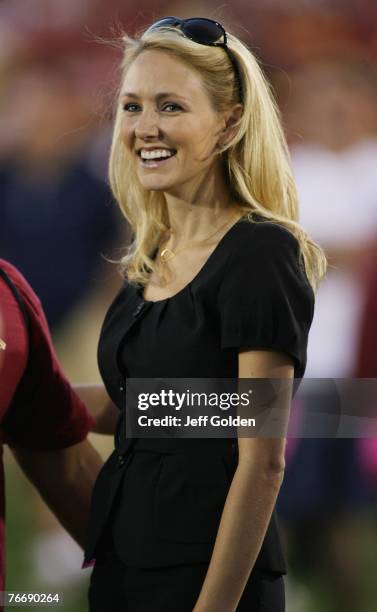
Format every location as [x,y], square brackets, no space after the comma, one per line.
[267,252]
[259,234]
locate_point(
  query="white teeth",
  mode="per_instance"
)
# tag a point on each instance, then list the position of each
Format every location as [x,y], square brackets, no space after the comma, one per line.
[145,154]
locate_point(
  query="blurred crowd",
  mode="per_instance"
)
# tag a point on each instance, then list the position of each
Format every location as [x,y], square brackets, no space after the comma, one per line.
[60,227]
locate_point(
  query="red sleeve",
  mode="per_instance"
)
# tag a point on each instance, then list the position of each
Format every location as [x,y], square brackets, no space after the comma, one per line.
[45,413]
[13,345]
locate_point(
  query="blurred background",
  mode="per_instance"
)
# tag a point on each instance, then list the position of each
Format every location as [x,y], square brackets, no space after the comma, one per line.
[59,226]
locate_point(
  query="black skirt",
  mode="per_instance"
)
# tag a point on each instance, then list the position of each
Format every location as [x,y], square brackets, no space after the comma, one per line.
[117,587]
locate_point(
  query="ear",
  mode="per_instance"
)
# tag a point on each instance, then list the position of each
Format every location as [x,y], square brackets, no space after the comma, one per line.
[230,124]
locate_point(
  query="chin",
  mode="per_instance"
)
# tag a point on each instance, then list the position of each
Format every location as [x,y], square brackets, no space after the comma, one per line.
[155,184]
[151,186]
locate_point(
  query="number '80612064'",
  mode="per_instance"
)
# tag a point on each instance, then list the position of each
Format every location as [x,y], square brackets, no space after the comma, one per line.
[23,598]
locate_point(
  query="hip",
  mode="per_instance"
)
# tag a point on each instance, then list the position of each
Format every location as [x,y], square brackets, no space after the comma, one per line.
[119,587]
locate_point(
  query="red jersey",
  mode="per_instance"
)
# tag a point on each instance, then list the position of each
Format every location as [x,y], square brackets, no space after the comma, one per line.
[38,408]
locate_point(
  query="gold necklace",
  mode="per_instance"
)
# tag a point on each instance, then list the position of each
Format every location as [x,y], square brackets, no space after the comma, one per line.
[168,254]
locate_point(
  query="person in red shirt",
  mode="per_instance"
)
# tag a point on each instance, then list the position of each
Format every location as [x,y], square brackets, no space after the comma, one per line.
[41,417]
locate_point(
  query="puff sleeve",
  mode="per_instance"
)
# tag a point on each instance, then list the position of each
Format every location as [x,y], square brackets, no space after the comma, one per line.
[265,299]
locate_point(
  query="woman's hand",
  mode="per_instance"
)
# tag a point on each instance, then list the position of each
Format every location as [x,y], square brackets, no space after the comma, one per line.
[100,407]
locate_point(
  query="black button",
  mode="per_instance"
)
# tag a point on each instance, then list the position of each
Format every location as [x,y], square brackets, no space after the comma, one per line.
[121,460]
[138,309]
[121,386]
[234,445]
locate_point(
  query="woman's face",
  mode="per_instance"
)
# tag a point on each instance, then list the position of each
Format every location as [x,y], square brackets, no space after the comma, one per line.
[169,126]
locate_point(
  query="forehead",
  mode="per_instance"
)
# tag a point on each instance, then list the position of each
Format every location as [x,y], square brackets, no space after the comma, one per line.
[156,70]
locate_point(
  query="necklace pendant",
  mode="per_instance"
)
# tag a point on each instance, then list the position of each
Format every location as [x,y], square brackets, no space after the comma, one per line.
[166,255]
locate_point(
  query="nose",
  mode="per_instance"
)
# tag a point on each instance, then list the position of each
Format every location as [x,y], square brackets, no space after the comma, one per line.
[147,125]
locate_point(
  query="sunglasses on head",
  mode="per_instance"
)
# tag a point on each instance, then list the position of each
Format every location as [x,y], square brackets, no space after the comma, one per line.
[202,31]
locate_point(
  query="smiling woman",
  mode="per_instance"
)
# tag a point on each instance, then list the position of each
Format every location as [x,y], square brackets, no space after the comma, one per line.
[219,283]
[180,124]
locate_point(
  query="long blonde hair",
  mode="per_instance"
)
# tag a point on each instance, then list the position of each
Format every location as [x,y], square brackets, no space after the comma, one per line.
[256,159]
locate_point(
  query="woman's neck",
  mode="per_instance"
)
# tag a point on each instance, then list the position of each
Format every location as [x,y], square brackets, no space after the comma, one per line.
[193,212]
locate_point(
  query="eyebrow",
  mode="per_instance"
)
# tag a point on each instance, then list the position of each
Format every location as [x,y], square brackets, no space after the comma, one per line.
[159,96]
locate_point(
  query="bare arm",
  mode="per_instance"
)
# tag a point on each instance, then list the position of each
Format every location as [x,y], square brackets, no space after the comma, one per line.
[250,500]
[65,480]
[100,407]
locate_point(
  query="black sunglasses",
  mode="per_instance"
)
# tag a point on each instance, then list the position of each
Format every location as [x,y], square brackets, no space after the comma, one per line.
[203,31]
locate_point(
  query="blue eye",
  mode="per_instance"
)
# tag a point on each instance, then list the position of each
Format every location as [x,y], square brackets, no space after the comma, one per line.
[175,107]
[130,107]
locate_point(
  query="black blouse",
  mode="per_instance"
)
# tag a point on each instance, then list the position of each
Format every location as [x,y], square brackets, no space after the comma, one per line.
[252,292]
